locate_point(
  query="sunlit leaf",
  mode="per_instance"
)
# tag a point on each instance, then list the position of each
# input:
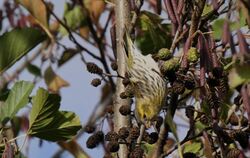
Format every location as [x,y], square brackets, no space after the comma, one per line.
[53,81]
[95,8]
[16,100]
[16,43]
[208,8]
[84,32]
[193,147]
[46,122]
[37,9]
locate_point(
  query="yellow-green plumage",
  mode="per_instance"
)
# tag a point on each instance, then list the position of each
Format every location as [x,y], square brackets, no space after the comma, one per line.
[150,87]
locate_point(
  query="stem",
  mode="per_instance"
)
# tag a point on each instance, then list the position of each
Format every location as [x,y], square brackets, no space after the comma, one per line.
[138,142]
[21,136]
[122,21]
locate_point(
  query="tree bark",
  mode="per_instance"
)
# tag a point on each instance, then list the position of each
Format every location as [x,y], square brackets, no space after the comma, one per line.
[122,21]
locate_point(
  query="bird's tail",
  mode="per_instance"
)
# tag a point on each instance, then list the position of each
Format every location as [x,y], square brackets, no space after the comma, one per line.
[129,49]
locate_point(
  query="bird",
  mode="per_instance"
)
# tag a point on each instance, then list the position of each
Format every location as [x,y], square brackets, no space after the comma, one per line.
[148,84]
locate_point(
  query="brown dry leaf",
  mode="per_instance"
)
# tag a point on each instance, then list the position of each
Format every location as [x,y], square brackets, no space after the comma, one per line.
[208,152]
[95,8]
[37,9]
[74,148]
[84,32]
[53,81]
[246,11]
[169,144]
[54,26]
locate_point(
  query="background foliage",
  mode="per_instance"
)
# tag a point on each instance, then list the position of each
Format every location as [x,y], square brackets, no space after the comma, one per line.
[203,51]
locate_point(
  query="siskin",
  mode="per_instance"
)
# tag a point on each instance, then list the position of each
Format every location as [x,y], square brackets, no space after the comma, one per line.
[149,86]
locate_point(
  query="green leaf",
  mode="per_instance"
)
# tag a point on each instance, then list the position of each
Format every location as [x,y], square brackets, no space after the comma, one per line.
[4,94]
[235,25]
[16,100]
[33,69]
[208,8]
[217,28]
[224,111]
[74,18]
[154,34]
[238,75]
[194,147]
[16,43]
[46,122]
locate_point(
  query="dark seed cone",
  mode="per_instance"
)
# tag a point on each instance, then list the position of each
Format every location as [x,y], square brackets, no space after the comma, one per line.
[159,121]
[100,136]
[238,100]
[90,128]
[234,120]
[226,137]
[242,138]
[96,82]
[178,87]
[123,95]
[93,68]
[189,155]
[145,136]
[114,66]
[92,142]
[213,82]
[134,133]
[125,110]
[130,91]
[123,132]
[233,153]
[217,72]
[111,136]
[113,146]
[109,109]
[152,138]
[171,76]
[189,83]
[125,81]
[138,152]
[108,155]
[189,112]
[205,120]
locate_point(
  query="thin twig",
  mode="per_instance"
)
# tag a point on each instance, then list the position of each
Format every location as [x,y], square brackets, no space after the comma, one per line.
[71,37]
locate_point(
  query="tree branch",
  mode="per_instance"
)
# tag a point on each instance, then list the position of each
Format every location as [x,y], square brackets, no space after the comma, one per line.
[122,21]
